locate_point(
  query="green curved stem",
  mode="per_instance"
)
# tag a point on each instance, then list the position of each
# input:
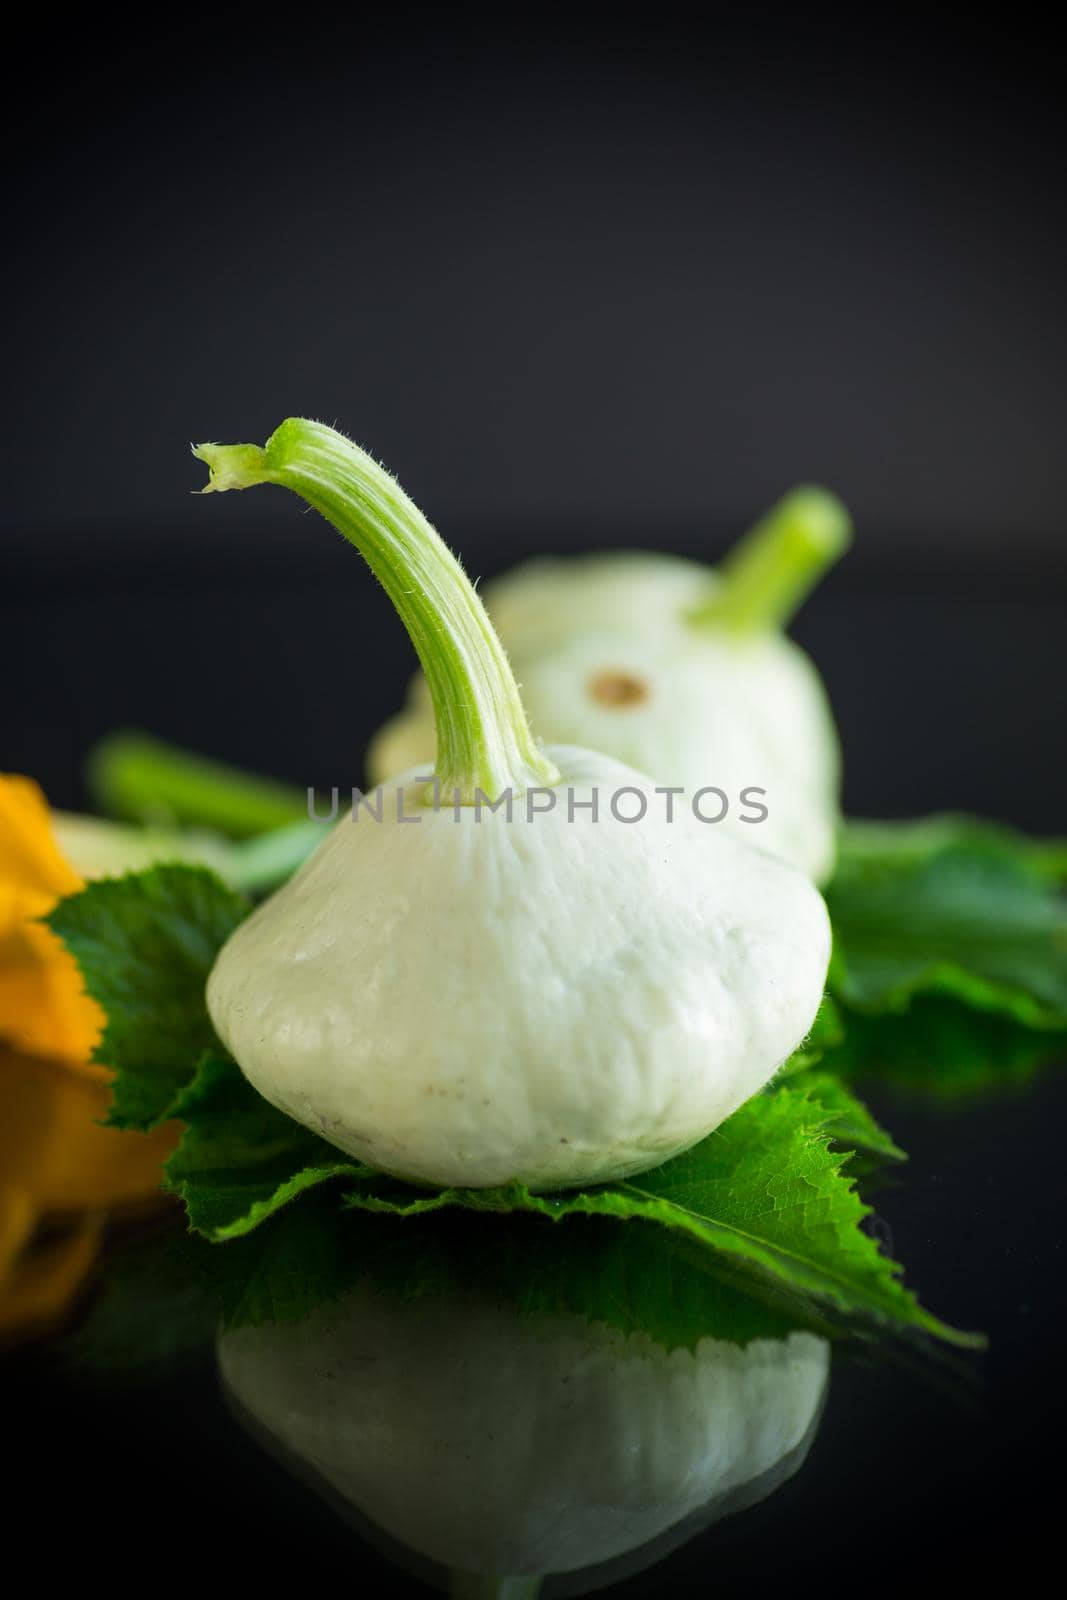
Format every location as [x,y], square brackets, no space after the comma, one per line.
[484,742]
[771,571]
[134,775]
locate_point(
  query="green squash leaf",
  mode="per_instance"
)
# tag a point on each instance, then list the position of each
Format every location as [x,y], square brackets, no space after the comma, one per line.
[849,1123]
[145,944]
[765,1201]
[949,906]
[942,1051]
[239,1159]
[919,837]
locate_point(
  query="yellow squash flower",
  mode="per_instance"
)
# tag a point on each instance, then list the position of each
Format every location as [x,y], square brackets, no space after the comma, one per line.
[44,1008]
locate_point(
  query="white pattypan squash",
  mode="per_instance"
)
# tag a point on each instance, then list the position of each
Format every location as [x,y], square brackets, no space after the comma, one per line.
[681,673]
[465,995]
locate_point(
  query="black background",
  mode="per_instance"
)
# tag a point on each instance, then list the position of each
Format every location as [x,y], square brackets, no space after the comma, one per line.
[579,284]
[627,270]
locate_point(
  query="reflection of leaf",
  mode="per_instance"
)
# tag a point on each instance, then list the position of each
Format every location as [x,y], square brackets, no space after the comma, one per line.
[145,944]
[950,906]
[153,1313]
[163,1297]
[630,1278]
[635,1279]
[239,1159]
[764,1197]
[764,1193]
[942,1050]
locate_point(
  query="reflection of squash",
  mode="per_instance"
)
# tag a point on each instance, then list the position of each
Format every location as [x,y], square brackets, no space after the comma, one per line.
[492,1444]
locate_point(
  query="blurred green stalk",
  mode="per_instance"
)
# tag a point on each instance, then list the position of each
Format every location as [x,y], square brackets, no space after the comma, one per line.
[145,780]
